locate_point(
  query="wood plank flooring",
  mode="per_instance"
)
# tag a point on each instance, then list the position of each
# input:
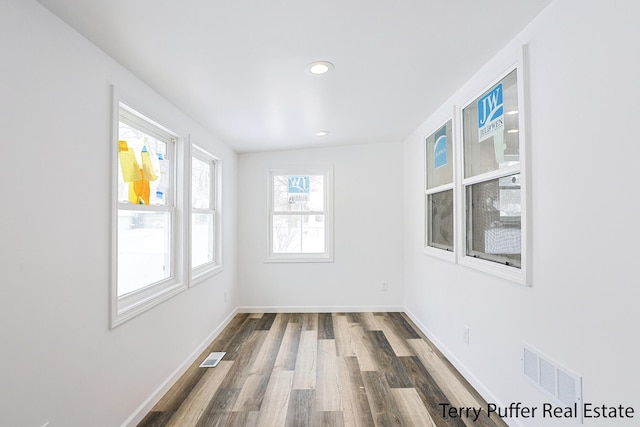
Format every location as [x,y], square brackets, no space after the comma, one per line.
[320,369]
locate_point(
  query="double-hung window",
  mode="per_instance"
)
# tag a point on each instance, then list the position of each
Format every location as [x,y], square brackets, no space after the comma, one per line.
[493,179]
[166,214]
[145,235]
[439,236]
[476,181]
[205,250]
[300,215]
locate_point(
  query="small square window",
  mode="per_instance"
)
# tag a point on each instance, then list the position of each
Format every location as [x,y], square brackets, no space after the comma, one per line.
[494,220]
[440,226]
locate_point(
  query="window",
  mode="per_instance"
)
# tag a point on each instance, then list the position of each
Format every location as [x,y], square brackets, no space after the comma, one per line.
[476,182]
[493,220]
[300,218]
[439,190]
[205,232]
[493,179]
[146,231]
[165,227]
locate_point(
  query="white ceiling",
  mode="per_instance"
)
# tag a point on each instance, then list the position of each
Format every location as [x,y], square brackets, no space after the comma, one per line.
[238,66]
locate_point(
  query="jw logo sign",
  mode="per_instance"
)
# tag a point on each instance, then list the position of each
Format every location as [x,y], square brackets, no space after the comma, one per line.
[490,114]
[298,187]
[298,184]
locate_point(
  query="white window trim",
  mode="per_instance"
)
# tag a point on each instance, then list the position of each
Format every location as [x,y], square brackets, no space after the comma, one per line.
[520,275]
[327,256]
[201,273]
[444,254]
[432,250]
[128,306]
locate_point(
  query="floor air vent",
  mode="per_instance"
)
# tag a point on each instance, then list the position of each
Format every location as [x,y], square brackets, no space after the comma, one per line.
[557,382]
[213,359]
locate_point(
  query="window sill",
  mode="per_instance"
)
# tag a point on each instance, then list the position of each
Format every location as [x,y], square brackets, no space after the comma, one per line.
[440,253]
[126,308]
[199,275]
[512,274]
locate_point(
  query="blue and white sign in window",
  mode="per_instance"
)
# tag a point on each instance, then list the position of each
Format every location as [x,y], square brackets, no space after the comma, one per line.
[298,184]
[298,188]
[491,114]
[440,148]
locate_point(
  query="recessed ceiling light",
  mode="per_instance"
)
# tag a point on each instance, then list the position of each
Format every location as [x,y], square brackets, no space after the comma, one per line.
[322,133]
[319,67]
[512,131]
[512,112]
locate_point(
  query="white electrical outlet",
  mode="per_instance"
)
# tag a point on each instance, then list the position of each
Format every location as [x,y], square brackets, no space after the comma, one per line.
[385,286]
[466,334]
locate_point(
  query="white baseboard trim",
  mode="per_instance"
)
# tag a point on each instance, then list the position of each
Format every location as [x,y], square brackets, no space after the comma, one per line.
[473,380]
[155,397]
[322,309]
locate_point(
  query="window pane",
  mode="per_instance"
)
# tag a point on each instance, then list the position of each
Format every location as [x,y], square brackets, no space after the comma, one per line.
[200,183]
[440,157]
[143,249]
[201,239]
[298,193]
[143,166]
[491,129]
[298,234]
[493,221]
[440,220]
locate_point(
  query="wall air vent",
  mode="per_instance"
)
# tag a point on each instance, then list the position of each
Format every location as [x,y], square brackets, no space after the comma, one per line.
[213,359]
[557,382]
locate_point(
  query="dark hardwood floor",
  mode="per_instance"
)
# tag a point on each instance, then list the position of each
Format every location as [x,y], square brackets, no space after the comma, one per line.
[320,369]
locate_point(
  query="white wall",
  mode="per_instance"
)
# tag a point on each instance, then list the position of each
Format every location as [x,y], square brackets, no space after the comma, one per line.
[368,232]
[59,361]
[582,308]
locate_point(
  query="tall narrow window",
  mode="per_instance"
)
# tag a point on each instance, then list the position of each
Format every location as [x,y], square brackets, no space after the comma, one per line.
[492,178]
[300,205]
[204,214]
[145,234]
[439,189]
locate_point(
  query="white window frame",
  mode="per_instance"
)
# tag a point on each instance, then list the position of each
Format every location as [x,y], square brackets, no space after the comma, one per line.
[123,308]
[327,255]
[518,275]
[432,250]
[202,272]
